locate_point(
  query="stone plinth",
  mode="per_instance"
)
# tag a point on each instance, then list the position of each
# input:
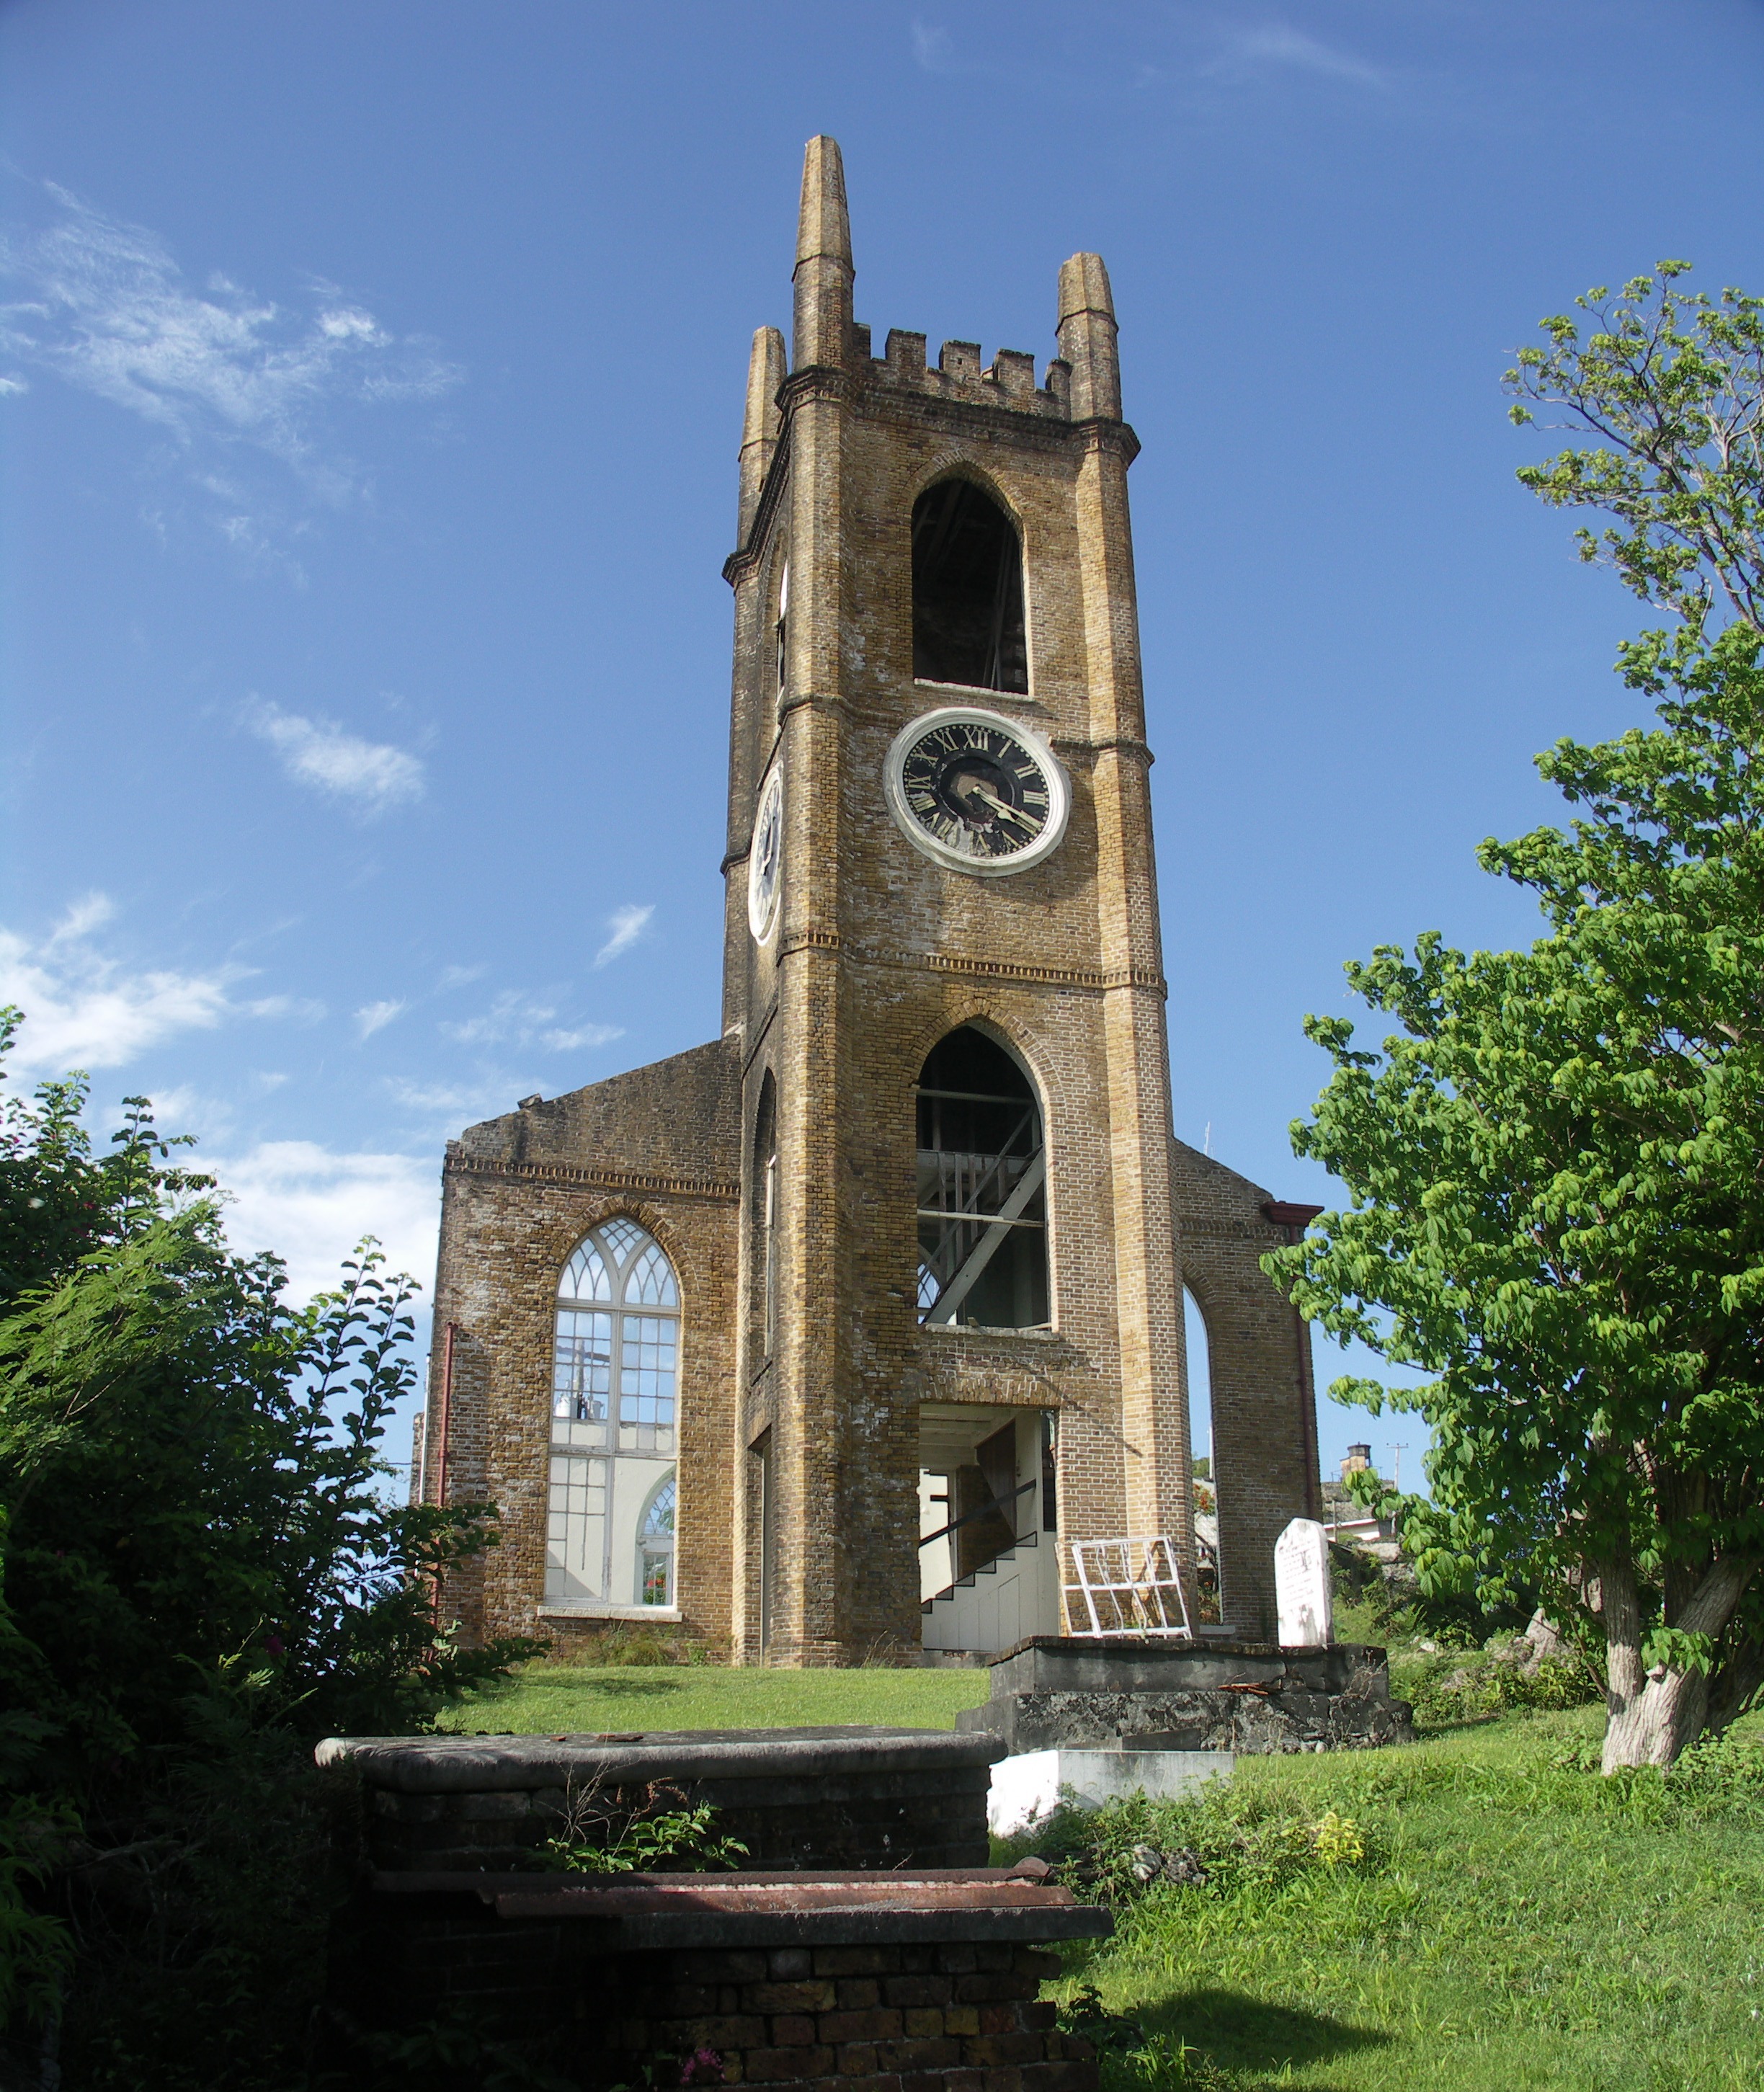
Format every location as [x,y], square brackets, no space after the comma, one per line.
[1115,1692]
[796,1798]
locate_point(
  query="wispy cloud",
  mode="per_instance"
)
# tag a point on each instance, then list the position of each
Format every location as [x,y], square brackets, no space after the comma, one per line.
[1248,50]
[514,1019]
[584,1034]
[932,51]
[372,775]
[85,1011]
[627,925]
[458,1104]
[374,1017]
[106,307]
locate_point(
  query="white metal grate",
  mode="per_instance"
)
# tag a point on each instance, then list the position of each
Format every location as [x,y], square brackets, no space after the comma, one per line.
[1129,1586]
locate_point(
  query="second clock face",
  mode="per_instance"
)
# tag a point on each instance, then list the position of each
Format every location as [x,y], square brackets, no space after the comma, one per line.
[976,791]
[765,857]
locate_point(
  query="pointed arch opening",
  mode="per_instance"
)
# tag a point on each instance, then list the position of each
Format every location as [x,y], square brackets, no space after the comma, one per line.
[615,1381]
[982,1188]
[967,591]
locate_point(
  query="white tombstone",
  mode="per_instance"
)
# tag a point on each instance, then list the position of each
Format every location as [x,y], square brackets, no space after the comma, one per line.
[1302,1585]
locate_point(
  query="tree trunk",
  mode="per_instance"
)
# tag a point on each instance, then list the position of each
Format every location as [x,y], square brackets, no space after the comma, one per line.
[1651,1716]
[1735,1685]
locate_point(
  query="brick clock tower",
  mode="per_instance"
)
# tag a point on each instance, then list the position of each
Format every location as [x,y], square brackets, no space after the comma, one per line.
[824,1343]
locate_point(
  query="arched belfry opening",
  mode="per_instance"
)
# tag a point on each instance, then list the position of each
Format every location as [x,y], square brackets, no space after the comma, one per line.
[982,1188]
[967,591]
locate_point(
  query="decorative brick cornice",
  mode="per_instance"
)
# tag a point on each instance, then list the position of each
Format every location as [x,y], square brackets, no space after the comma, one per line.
[1121,744]
[813,380]
[597,1180]
[809,940]
[818,700]
[1095,979]
[982,421]
[1105,434]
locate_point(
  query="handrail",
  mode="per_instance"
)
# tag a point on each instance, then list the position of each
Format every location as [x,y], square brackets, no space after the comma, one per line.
[985,1511]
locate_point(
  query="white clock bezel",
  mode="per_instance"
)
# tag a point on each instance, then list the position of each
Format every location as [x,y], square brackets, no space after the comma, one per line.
[1059,792]
[763,907]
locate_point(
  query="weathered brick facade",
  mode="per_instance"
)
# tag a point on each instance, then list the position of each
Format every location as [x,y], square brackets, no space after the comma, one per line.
[799,1515]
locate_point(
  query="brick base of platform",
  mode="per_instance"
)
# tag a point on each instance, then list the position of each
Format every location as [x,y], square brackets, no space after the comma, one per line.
[943,2018]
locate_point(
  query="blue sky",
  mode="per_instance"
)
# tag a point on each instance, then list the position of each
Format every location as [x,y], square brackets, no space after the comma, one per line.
[371,379]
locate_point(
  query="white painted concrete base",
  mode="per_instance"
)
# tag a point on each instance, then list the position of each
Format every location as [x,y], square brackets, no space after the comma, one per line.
[1027,1788]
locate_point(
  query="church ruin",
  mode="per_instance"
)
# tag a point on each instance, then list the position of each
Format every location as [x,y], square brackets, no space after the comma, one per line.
[823,1343]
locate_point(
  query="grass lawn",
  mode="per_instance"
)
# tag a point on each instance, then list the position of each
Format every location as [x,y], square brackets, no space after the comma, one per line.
[1517,1923]
[544,1699]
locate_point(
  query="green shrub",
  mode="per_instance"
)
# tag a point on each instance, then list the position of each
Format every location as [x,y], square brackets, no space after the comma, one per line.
[1232,1840]
[200,1571]
[1457,1685]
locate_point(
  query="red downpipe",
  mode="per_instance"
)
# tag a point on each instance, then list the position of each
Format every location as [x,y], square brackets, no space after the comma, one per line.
[441,1440]
[446,1409]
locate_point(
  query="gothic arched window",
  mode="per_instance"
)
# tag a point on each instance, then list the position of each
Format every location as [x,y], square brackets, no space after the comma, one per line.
[983,1253]
[967,591]
[614,1394]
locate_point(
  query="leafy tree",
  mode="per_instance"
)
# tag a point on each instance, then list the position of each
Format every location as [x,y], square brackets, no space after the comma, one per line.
[1556,1165]
[202,1572]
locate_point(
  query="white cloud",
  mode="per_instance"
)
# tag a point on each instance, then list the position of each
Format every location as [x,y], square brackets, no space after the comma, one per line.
[106,307]
[83,1010]
[311,1205]
[627,925]
[373,774]
[1279,44]
[375,1016]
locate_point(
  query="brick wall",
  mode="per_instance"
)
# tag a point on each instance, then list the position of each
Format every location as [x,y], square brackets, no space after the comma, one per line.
[947,2018]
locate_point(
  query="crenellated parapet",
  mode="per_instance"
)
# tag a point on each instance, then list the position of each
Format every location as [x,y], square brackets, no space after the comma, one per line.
[1008,380]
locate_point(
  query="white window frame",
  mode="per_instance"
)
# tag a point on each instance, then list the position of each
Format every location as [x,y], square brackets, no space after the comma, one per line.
[614,1400]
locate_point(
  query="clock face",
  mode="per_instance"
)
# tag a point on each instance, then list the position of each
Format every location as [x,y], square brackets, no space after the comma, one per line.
[977,791]
[765,857]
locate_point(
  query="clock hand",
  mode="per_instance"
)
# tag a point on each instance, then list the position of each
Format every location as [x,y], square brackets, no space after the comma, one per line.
[999,807]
